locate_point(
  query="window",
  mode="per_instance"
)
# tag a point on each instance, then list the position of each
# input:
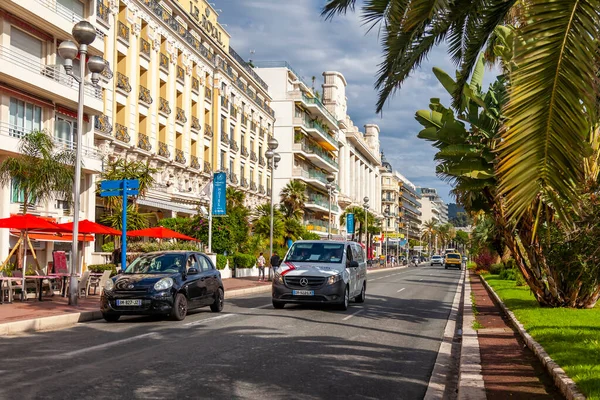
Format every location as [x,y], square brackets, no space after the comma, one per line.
[242,171]
[26,45]
[17,195]
[298,113]
[231,165]
[61,204]
[232,132]
[317,252]
[192,263]
[251,144]
[204,265]
[70,7]
[223,124]
[243,140]
[24,117]
[223,158]
[65,130]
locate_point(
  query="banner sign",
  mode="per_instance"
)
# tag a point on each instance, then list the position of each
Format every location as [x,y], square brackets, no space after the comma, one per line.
[403,242]
[350,223]
[219,200]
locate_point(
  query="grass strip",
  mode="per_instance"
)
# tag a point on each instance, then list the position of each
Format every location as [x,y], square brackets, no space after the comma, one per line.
[570,336]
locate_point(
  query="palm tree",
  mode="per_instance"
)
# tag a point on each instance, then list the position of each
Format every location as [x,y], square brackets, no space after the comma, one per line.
[235,198]
[553,86]
[293,196]
[261,223]
[41,171]
[429,229]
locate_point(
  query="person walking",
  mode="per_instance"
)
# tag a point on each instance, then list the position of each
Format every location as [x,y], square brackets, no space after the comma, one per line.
[275,262]
[260,262]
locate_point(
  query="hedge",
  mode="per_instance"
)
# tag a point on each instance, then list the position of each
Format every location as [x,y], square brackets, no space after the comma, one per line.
[241,260]
[99,268]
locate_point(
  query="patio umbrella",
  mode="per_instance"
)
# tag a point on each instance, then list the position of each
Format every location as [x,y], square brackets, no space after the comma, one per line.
[27,223]
[160,232]
[88,227]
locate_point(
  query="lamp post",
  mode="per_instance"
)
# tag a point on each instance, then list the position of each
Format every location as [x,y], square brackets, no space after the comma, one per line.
[366,206]
[398,220]
[386,215]
[330,187]
[407,243]
[84,34]
[273,159]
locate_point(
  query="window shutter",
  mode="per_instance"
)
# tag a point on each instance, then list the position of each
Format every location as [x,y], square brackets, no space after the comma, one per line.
[26,44]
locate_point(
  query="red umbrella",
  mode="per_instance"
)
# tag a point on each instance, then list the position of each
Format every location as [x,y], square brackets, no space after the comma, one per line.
[29,222]
[89,227]
[160,232]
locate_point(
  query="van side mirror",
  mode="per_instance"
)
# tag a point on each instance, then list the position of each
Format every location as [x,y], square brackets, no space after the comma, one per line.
[353,264]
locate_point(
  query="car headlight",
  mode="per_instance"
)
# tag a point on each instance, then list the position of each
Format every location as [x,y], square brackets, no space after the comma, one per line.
[277,278]
[109,285]
[333,279]
[164,284]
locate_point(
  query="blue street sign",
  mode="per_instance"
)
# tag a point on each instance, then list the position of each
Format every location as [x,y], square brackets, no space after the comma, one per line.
[350,223]
[219,201]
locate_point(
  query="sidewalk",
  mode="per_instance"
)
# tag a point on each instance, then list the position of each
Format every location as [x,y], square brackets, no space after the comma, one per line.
[509,368]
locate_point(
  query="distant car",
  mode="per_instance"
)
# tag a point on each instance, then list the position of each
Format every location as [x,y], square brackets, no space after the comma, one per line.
[167,283]
[464,258]
[452,260]
[436,260]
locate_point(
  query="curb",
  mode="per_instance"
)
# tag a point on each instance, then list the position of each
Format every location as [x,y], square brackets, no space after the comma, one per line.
[437,382]
[470,383]
[566,385]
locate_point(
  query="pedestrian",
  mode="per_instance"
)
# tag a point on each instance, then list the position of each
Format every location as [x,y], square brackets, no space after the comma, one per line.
[275,262]
[116,257]
[260,262]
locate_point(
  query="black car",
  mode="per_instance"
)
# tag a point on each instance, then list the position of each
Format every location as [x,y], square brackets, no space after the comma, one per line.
[167,283]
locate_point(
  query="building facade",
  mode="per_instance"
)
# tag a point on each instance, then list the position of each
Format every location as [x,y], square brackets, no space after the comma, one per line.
[429,211]
[410,204]
[432,195]
[182,100]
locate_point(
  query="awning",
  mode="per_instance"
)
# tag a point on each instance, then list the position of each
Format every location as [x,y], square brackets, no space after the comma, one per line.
[53,237]
[177,207]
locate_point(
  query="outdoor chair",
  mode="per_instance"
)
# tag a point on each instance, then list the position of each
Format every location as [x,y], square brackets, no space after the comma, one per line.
[99,281]
[84,285]
[5,289]
[28,285]
[47,284]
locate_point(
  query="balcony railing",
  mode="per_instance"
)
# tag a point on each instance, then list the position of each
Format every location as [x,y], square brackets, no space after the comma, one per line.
[145,95]
[244,119]
[268,192]
[262,132]
[163,61]
[163,150]
[320,226]
[317,102]
[224,138]
[233,178]
[311,174]
[244,183]
[180,156]
[144,142]
[233,111]
[163,106]
[224,102]
[102,11]
[207,168]
[321,201]
[180,115]
[261,189]
[208,132]
[247,67]
[253,156]
[253,186]
[194,162]
[121,133]
[312,148]
[123,82]
[122,31]
[180,73]
[53,72]
[102,124]
[253,126]
[261,161]
[233,146]
[207,94]
[145,47]
[244,151]
[195,84]
[310,124]
[195,124]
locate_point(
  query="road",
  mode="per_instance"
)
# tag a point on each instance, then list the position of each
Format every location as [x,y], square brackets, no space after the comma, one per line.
[383,349]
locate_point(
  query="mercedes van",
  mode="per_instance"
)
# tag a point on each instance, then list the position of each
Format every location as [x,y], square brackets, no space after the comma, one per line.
[322,272]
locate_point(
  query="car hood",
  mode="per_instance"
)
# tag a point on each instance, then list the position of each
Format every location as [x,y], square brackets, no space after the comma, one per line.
[125,281]
[311,269]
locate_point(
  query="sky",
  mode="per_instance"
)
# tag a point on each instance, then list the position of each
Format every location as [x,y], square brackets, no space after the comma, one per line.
[294,31]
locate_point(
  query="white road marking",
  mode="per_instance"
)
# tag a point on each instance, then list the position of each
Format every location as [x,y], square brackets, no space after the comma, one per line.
[400,290]
[420,279]
[266,306]
[201,321]
[352,315]
[106,345]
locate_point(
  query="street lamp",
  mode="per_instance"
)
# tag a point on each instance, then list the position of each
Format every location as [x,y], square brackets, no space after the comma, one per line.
[366,206]
[84,33]
[398,220]
[273,159]
[330,187]
[386,214]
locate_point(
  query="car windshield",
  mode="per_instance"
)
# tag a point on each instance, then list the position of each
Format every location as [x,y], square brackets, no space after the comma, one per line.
[453,256]
[437,257]
[157,264]
[317,252]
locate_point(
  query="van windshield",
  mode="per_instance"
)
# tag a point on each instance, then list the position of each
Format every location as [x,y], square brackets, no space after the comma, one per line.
[332,253]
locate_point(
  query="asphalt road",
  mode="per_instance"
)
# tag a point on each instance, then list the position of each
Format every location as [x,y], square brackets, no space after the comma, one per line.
[383,349]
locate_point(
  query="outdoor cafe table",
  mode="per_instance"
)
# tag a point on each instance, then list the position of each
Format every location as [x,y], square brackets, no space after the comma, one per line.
[64,276]
[41,279]
[10,279]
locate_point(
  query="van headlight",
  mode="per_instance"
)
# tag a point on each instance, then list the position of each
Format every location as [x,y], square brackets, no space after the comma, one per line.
[333,279]
[163,284]
[109,285]
[277,278]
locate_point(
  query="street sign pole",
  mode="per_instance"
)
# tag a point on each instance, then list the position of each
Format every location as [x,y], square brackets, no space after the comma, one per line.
[124,228]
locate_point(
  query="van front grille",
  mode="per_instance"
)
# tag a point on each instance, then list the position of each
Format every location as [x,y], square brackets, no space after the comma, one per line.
[313,282]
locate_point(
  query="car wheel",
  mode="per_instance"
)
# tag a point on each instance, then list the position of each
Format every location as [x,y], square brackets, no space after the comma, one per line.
[445,267]
[180,308]
[278,305]
[111,317]
[363,294]
[346,301]
[217,306]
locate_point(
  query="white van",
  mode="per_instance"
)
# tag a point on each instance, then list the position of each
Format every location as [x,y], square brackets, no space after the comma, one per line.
[319,271]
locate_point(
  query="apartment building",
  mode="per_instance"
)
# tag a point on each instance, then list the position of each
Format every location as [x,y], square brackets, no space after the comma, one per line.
[390,200]
[410,204]
[429,211]
[183,100]
[308,136]
[442,208]
[36,94]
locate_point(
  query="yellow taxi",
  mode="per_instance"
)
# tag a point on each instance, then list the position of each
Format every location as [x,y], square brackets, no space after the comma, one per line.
[453,260]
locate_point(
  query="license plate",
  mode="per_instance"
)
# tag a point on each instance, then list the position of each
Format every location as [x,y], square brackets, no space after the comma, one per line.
[303,292]
[129,302]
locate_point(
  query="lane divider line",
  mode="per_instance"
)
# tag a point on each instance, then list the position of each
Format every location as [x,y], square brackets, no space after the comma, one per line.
[400,290]
[201,321]
[105,345]
[352,315]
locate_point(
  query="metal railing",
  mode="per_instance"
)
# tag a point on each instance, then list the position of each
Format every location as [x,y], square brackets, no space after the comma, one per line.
[321,201]
[53,72]
[312,148]
[244,151]
[145,47]
[207,94]
[233,145]
[311,174]
[102,124]
[163,61]
[163,105]
[145,95]
[122,31]
[163,150]
[194,162]
[180,156]
[195,84]
[123,82]
[102,11]
[195,123]
[121,133]
[61,10]
[208,132]
[248,68]
[207,168]
[180,115]
[144,142]
[224,137]
[180,73]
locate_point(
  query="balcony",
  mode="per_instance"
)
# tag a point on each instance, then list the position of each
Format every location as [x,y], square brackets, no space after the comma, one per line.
[180,157]
[317,225]
[163,150]
[262,133]
[317,155]
[180,74]
[261,161]
[123,32]
[269,192]
[233,178]
[144,96]
[244,151]
[180,115]
[310,175]
[145,48]
[163,106]
[123,83]
[208,132]
[320,203]
[244,183]
[224,103]
[409,207]
[253,126]
[48,81]
[253,186]
[244,119]
[207,94]
[207,168]
[316,130]
[121,133]
[234,146]
[144,142]
[312,103]
[253,156]
[194,162]
[261,189]
[233,111]
[195,124]
[224,138]
[163,62]
[102,12]
[102,124]
[195,85]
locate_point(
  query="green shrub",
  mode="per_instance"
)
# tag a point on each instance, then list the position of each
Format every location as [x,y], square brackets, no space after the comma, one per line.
[221,261]
[241,260]
[508,274]
[520,281]
[99,268]
[497,269]
[471,265]
[108,247]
